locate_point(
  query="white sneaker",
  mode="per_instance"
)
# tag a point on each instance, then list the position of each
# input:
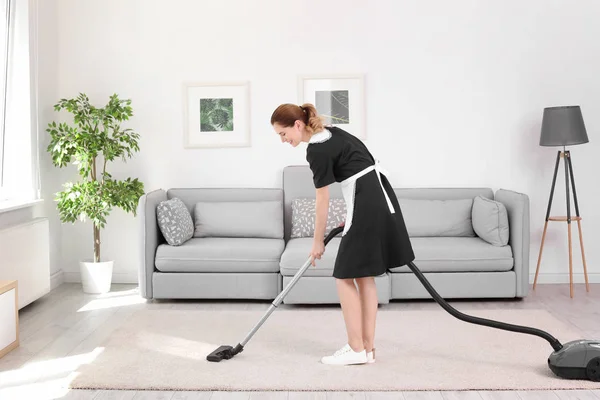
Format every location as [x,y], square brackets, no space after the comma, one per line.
[346,356]
[371,356]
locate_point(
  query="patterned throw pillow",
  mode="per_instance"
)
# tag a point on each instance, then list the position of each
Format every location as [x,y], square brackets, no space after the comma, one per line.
[303,216]
[175,221]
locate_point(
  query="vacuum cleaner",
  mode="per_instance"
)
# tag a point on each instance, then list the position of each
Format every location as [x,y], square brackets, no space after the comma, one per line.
[578,359]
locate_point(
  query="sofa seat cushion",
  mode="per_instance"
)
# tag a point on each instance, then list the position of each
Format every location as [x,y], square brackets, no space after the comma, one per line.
[458,254]
[297,251]
[221,255]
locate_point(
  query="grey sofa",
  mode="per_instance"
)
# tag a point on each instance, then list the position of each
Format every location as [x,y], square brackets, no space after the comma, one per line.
[259,267]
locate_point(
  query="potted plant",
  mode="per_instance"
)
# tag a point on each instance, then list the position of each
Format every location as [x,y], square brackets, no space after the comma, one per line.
[95,138]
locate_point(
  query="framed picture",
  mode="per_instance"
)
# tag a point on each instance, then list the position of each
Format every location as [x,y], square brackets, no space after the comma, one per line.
[338,98]
[216,114]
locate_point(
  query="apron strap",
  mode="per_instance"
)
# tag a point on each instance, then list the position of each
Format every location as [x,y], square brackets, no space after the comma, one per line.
[349,186]
[380,170]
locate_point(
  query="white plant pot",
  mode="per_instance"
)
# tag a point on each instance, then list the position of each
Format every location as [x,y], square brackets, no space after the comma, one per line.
[96,277]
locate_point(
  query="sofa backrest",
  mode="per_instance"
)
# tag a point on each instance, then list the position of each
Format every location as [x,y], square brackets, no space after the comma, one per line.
[297,182]
[246,220]
[443,193]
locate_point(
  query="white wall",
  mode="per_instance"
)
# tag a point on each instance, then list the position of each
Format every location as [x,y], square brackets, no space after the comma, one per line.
[47,43]
[454,92]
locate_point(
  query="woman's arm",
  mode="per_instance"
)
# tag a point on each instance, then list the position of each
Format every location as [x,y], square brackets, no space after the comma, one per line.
[321,211]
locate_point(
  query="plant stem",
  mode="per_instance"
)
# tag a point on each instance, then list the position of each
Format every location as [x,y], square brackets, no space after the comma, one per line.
[96,228]
[96,243]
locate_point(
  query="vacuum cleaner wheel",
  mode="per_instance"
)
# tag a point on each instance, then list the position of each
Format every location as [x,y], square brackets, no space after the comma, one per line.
[593,369]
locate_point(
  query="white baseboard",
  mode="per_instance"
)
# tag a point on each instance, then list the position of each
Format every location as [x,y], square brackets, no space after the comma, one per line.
[56,279]
[132,278]
[564,278]
[118,277]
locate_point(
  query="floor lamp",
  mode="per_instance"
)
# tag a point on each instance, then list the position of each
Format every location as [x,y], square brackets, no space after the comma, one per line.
[563,126]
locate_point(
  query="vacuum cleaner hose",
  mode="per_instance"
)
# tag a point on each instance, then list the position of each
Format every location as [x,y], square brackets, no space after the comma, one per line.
[482,321]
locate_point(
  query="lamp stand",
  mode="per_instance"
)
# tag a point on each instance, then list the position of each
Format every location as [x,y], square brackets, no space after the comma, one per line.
[568,173]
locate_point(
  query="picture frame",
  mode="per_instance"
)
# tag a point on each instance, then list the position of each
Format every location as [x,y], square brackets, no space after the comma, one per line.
[338,98]
[216,114]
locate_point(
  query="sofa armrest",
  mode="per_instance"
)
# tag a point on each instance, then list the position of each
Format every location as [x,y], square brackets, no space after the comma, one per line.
[151,237]
[517,208]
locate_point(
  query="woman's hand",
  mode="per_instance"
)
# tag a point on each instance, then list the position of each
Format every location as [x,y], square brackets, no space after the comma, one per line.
[317,251]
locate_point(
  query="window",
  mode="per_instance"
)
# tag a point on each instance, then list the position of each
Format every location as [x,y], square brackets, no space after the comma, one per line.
[5,22]
[19,153]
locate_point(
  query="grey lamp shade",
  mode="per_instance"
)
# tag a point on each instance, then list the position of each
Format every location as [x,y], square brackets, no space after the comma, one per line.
[563,126]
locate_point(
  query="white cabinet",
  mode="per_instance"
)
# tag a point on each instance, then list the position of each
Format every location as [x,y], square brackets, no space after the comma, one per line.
[9,317]
[25,257]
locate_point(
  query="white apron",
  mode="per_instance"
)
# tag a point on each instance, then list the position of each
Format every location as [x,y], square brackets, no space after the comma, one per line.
[349,189]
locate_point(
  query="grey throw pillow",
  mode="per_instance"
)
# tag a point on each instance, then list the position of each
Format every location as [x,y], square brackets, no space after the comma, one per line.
[490,221]
[303,216]
[175,221]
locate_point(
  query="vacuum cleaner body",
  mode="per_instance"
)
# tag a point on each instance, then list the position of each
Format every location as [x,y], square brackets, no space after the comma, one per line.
[578,359]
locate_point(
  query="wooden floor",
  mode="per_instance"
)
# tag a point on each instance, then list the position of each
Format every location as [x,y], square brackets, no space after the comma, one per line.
[57,332]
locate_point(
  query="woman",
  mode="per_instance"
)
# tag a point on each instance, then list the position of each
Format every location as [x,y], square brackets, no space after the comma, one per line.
[374,237]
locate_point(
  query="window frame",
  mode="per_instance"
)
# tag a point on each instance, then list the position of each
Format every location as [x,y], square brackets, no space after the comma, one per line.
[4,90]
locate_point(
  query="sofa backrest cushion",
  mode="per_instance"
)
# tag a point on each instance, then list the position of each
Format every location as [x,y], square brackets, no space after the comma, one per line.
[425,217]
[443,212]
[262,221]
[443,193]
[248,219]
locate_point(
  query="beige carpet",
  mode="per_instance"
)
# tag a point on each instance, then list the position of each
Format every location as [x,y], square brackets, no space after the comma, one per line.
[417,350]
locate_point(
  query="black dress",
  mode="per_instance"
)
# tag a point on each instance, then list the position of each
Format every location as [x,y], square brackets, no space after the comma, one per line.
[375,236]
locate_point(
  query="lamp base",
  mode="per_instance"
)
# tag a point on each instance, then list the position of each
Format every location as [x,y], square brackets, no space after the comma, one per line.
[568,218]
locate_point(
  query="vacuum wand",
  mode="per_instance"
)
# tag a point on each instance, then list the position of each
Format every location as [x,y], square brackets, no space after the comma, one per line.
[227,352]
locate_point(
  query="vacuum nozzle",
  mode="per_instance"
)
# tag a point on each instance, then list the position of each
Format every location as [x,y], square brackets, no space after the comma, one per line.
[224,353]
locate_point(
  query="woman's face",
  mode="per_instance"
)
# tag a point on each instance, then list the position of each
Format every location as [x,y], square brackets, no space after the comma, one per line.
[291,134]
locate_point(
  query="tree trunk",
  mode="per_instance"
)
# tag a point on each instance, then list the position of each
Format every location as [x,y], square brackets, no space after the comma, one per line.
[96,243]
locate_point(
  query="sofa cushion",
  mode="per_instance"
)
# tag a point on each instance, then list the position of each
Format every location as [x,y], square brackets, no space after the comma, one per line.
[174,221]
[303,216]
[297,251]
[244,219]
[458,254]
[221,255]
[427,218]
[490,221]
